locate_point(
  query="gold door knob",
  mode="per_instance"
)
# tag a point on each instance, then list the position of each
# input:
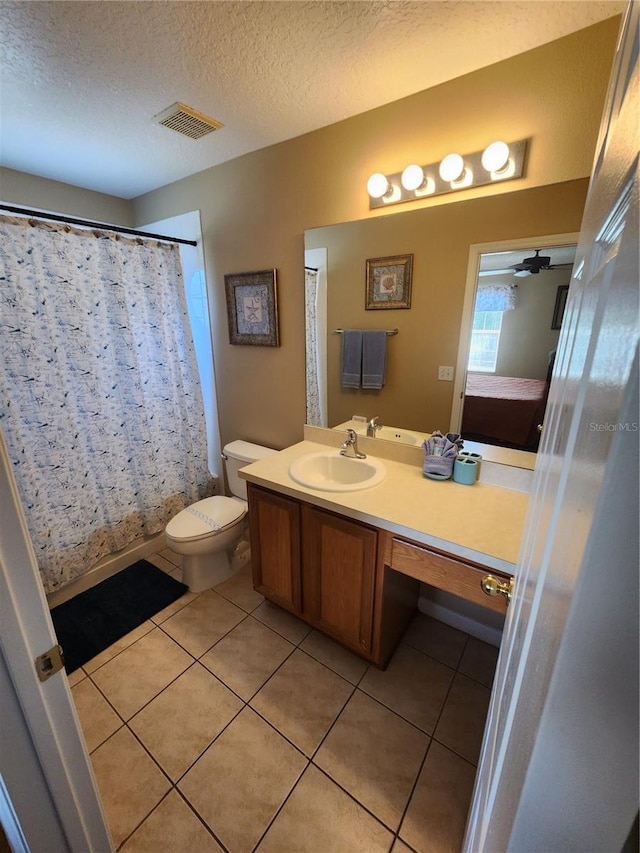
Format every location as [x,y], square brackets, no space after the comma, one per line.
[492,586]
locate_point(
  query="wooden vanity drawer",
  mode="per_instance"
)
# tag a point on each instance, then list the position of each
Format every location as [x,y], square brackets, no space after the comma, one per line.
[452,575]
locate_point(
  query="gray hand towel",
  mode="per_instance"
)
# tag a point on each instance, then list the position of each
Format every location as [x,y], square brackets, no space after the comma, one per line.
[374,358]
[351,358]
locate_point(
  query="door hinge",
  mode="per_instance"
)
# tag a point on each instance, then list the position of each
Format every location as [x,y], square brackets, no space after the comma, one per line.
[49,663]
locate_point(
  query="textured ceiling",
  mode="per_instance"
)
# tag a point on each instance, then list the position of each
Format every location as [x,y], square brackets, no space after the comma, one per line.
[81,81]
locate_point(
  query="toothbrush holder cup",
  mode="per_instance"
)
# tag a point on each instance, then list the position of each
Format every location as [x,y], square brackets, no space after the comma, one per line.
[465,471]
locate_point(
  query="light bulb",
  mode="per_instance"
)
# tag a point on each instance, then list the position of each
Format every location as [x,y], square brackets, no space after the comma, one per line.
[451,168]
[412,178]
[495,156]
[378,185]
[427,187]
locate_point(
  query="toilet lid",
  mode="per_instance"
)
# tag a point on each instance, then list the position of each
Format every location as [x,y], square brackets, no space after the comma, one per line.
[205,517]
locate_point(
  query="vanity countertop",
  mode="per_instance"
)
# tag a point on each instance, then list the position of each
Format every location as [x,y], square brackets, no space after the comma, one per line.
[482,522]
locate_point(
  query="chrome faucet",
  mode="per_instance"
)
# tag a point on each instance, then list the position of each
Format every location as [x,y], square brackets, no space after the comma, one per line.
[372,427]
[350,446]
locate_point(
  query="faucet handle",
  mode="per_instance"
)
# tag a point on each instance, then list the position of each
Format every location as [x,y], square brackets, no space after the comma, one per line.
[350,439]
[352,442]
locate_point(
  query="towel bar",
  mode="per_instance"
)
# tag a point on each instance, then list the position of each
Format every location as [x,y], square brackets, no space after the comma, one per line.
[388,331]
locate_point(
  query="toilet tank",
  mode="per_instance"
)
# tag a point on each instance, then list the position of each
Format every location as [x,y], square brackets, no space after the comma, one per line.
[238,455]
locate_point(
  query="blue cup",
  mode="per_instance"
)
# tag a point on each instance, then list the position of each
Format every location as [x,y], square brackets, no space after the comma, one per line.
[465,471]
[468,454]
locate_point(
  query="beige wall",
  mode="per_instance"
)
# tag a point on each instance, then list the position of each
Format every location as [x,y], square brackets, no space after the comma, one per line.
[256,208]
[22,190]
[527,338]
[428,332]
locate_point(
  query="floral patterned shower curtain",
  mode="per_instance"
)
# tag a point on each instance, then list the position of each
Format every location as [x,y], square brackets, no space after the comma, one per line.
[311,332]
[100,401]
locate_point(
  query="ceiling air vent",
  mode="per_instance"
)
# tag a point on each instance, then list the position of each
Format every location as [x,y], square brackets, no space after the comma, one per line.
[187,121]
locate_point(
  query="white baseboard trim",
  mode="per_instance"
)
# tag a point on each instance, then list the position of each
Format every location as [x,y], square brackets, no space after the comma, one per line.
[476,629]
[108,566]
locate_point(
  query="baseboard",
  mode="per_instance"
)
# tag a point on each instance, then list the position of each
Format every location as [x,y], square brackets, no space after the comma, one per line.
[108,566]
[480,631]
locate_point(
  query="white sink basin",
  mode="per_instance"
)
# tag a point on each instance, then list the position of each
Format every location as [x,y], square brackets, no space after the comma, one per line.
[388,433]
[402,435]
[328,471]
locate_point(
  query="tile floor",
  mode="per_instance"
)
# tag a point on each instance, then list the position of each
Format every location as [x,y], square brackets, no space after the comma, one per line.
[224,723]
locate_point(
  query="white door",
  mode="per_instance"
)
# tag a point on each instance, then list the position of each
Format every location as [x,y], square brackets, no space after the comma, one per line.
[48,795]
[559,764]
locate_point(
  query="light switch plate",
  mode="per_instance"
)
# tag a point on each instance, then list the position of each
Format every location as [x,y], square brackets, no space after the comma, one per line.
[445,373]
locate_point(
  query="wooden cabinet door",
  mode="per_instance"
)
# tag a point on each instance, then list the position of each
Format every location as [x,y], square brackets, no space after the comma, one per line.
[339,566]
[274,523]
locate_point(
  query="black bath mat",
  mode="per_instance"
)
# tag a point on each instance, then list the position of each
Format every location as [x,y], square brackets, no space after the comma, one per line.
[89,623]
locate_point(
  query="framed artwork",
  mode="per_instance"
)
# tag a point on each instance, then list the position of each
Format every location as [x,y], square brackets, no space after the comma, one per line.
[389,282]
[561,301]
[252,308]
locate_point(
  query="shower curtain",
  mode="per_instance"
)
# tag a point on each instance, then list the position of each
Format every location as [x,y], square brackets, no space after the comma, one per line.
[100,401]
[314,417]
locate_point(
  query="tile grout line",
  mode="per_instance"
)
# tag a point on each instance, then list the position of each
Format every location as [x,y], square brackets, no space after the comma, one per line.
[431,741]
[281,806]
[201,819]
[310,760]
[413,789]
[353,796]
[138,825]
[155,696]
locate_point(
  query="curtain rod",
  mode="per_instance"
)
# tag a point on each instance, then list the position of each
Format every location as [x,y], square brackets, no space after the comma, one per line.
[88,223]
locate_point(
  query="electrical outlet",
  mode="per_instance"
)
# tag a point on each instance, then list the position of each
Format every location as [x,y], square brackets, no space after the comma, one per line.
[445,373]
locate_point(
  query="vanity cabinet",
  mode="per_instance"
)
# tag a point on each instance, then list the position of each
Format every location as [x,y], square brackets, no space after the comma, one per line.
[358,584]
[329,571]
[338,576]
[274,525]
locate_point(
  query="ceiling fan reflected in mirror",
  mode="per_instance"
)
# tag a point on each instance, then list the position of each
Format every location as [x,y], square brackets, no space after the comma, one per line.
[528,266]
[532,266]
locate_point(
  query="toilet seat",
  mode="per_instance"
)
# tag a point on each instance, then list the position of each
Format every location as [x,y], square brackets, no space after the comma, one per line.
[206,518]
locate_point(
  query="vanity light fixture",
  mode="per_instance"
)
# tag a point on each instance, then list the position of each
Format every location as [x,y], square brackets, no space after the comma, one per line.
[378,186]
[413,177]
[382,189]
[495,156]
[499,161]
[451,168]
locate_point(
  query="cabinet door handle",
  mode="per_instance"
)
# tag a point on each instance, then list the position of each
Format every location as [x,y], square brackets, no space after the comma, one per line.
[492,586]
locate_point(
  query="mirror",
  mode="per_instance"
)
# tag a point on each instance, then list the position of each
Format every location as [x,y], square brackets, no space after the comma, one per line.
[431,332]
[515,326]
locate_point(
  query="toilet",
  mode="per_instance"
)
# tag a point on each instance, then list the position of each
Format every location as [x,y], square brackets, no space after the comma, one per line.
[207,532]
